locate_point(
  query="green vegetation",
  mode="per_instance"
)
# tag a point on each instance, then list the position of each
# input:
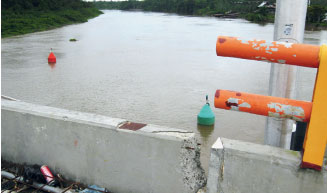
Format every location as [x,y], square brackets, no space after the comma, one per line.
[21,17]
[243,8]
[261,15]
[72,40]
[316,15]
[185,7]
[247,9]
[319,2]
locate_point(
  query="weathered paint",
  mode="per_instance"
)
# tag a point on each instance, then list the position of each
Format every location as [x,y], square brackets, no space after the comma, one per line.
[281,61]
[235,103]
[284,53]
[132,126]
[263,105]
[316,134]
[286,111]
[274,49]
[277,52]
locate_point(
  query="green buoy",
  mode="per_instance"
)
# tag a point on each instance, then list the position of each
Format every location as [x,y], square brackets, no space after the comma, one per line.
[206,116]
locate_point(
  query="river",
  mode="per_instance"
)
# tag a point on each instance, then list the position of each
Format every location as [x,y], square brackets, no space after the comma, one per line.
[145,67]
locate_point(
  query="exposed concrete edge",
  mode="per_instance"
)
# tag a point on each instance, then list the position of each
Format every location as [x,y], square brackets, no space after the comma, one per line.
[61,114]
[267,153]
[8,98]
[216,167]
[193,173]
[189,156]
[161,131]
[90,118]
[238,166]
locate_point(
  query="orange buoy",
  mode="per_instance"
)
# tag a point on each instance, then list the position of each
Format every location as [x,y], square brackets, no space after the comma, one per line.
[51,58]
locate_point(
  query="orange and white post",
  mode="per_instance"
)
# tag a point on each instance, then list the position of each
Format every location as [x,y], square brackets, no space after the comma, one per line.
[263,105]
[315,112]
[277,52]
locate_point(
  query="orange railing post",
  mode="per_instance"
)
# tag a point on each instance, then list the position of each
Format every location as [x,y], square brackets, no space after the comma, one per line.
[263,105]
[315,113]
[277,52]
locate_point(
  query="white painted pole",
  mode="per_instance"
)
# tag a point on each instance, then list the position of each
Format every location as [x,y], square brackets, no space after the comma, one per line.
[289,27]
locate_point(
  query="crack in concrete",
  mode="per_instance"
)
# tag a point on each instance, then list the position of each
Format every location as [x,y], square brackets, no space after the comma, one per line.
[122,123]
[222,159]
[171,132]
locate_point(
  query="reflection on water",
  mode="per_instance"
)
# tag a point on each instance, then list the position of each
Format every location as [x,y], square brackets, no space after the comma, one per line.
[52,65]
[205,132]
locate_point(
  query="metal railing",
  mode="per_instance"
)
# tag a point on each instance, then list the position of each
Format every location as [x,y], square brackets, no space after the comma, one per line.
[314,113]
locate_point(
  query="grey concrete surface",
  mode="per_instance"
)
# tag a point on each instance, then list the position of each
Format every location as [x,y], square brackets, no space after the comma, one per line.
[237,166]
[95,149]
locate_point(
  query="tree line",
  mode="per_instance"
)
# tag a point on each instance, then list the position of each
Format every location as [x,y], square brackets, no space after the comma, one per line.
[20,6]
[187,7]
[20,17]
[247,8]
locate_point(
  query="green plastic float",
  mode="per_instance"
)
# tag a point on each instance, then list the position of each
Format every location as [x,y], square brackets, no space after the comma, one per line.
[206,116]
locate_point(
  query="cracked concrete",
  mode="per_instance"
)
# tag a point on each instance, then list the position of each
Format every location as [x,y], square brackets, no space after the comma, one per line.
[193,174]
[93,149]
[237,166]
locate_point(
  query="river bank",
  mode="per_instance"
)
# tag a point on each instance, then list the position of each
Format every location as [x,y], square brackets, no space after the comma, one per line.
[250,10]
[33,16]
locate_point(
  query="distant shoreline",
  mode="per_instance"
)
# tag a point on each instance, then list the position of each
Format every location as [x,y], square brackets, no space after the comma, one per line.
[250,10]
[308,26]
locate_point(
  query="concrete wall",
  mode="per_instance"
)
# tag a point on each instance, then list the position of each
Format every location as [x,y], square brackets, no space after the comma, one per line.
[237,166]
[94,149]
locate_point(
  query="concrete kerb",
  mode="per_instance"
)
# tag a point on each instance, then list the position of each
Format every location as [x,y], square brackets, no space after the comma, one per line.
[96,149]
[237,166]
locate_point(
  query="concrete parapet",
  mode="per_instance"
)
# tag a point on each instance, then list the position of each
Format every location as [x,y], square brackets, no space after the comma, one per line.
[237,166]
[113,153]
